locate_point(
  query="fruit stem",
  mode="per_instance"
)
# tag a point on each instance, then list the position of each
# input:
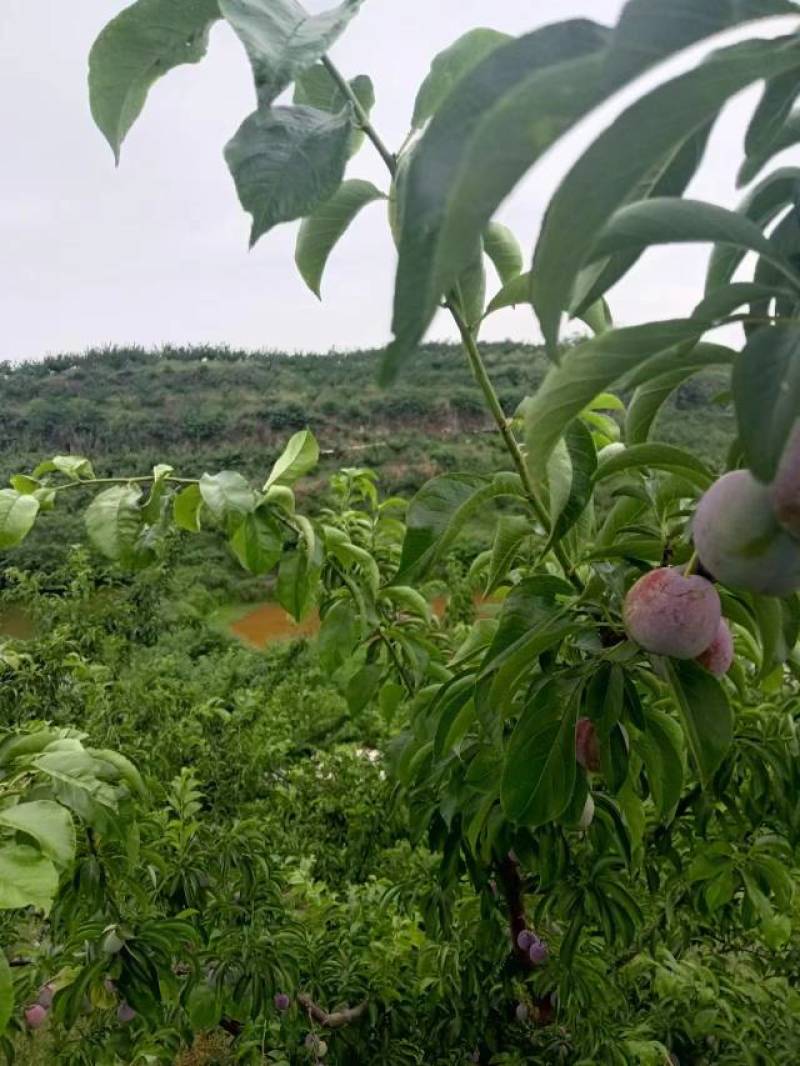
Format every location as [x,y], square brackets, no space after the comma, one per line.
[691,566]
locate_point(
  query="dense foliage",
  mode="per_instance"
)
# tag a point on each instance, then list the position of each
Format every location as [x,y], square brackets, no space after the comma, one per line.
[564,830]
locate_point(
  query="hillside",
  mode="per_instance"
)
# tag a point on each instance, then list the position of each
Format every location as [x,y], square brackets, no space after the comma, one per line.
[206,408]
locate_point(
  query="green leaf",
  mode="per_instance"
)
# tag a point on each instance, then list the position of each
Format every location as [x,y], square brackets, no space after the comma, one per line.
[788,137]
[316,88]
[503,249]
[286,161]
[540,770]
[74,466]
[606,176]
[320,232]
[650,397]
[440,510]
[226,494]
[511,532]
[338,635]
[48,823]
[670,220]
[761,206]
[186,508]
[462,168]
[595,280]
[18,513]
[258,542]
[282,40]
[660,748]
[298,579]
[661,29]
[203,1007]
[766,388]
[705,713]
[6,993]
[657,457]
[449,67]
[579,470]
[518,291]
[298,458]
[770,116]
[27,878]
[144,42]
[113,521]
[591,368]
[362,687]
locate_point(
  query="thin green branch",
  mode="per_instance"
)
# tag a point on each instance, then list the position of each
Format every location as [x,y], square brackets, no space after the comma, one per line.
[144,479]
[470,345]
[364,122]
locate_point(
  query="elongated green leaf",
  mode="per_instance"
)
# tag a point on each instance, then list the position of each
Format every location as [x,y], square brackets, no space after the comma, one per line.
[299,457]
[338,635]
[18,513]
[607,174]
[258,542]
[462,168]
[595,280]
[323,228]
[282,40]
[540,769]
[761,206]
[450,66]
[140,45]
[766,387]
[591,368]
[518,291]
[48,823]
[503,249]
[286,161]
[788,137]
[649,398]
[670,220]
[657,457]
[6,993]
[660,29]
[27,878]
[769,117]
[114,520]
[511,531]
[705,713]
[578,469]
[724,301]
[440,510]
[227,493]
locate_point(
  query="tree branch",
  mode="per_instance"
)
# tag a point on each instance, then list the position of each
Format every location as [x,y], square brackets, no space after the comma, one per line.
[338,1019]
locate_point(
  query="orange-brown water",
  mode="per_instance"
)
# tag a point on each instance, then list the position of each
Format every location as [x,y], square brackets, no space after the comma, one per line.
[269,623]
[15,622]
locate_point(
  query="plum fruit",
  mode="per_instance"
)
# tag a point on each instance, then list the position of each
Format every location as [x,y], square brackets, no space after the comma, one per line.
[740,540]
[718,656]
[668,613]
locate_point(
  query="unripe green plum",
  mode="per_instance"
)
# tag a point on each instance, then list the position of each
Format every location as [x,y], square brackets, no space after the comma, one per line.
[718,656]
[587,817]
[670,614]
[785,489]
[740,540]
[587,748]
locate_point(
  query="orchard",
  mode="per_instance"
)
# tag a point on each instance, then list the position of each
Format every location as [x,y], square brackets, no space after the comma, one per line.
[603,768]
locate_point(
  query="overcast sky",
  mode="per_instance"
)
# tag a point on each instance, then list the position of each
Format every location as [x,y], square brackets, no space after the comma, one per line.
[156,252]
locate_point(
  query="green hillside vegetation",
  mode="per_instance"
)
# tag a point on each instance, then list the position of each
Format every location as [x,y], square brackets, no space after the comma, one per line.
[207,407]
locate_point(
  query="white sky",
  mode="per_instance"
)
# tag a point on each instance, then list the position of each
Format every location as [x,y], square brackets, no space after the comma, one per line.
[156,252]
